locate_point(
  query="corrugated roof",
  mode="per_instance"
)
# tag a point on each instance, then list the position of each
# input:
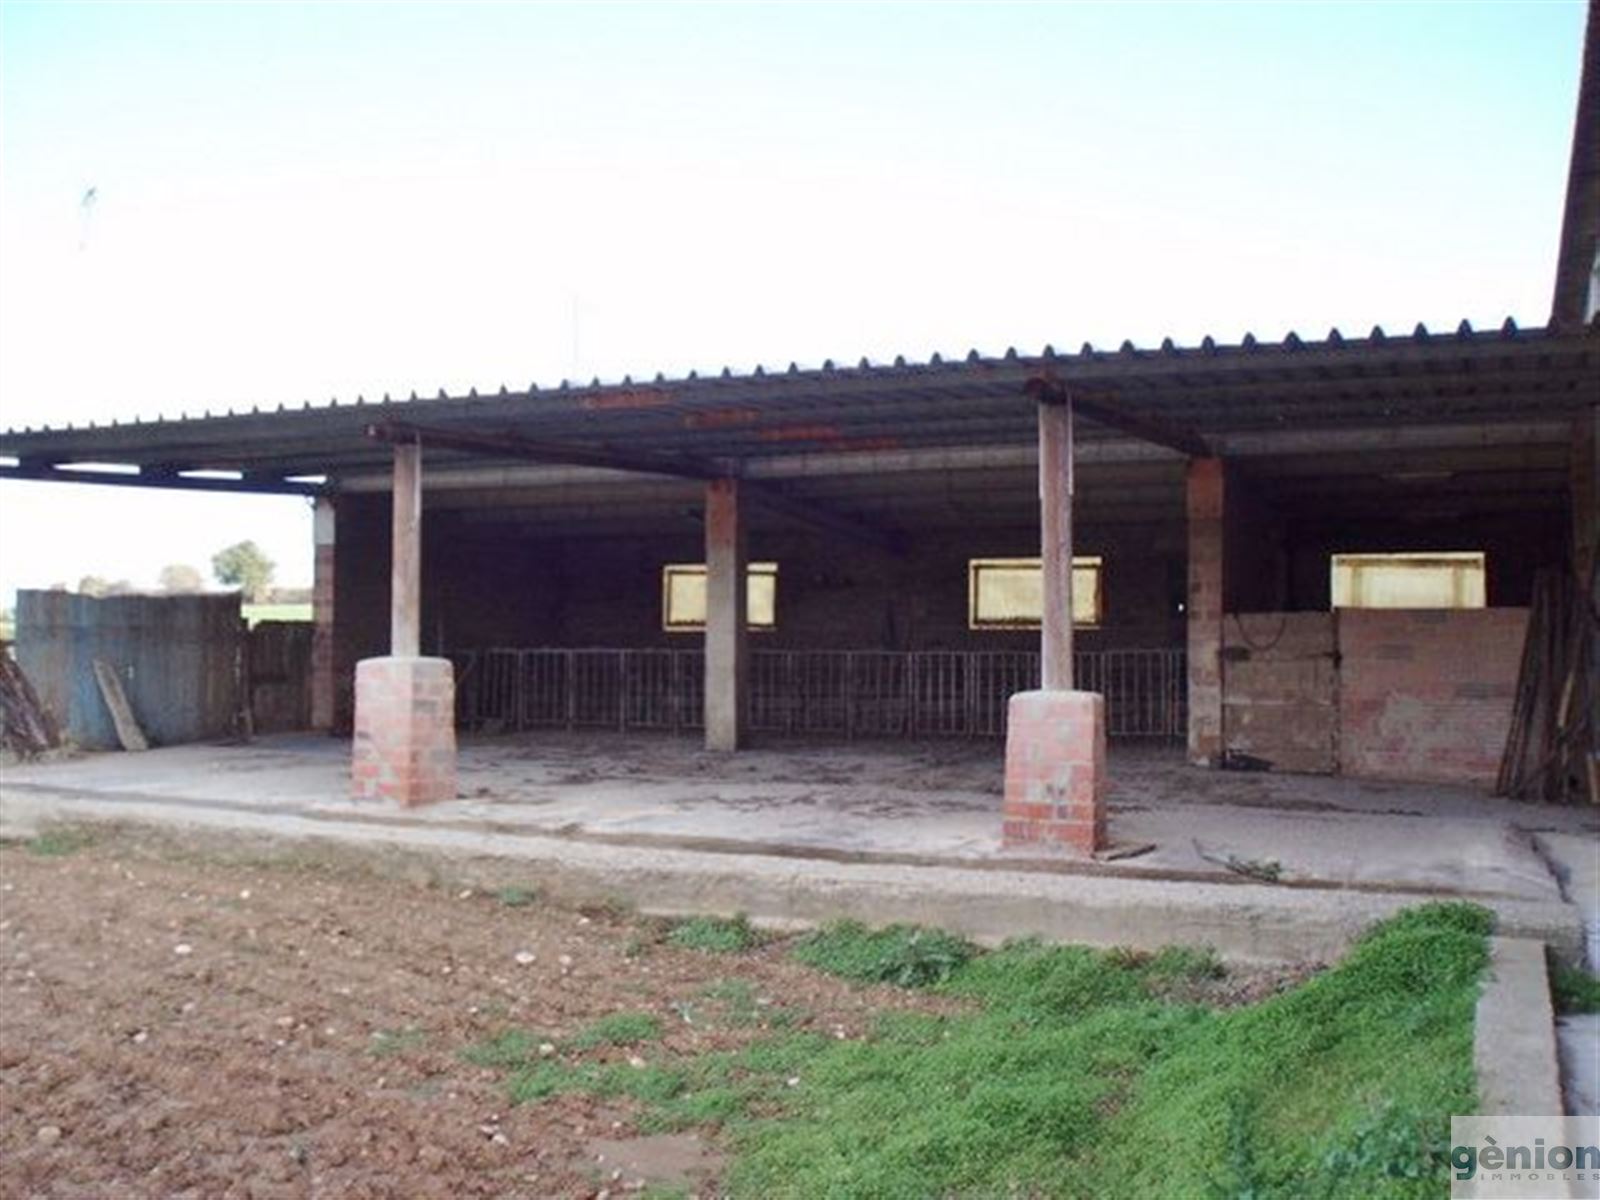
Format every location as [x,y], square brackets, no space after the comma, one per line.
[807,425]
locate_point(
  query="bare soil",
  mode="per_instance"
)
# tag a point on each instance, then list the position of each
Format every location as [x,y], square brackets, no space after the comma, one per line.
[290,1025]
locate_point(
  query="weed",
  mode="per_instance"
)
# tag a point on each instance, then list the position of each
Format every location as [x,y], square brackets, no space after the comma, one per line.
[1185,962]
[733,1002]
[618,1029]
[735,993]
[904,955]
[717,935]
[387,1043]
[58,843]
[510,1048]
[1572,989]
[517,897]
[637,945]
[1393,1143]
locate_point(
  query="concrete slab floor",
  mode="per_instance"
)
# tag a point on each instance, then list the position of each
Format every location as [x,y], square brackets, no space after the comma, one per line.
[907,802]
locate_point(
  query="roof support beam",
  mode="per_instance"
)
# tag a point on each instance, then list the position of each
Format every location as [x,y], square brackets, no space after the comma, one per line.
[254,484]
[512,445]
[1147,429]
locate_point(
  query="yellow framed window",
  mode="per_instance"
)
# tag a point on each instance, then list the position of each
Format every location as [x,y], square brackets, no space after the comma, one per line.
[1008,593]
[1454,579]
[683,596]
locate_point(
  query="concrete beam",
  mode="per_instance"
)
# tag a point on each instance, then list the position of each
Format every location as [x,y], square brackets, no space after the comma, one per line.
[258,485]
[725,658]
[405,578]
[1207,496]
[324,682]
[1265,443]
[1055,543]
[633,463]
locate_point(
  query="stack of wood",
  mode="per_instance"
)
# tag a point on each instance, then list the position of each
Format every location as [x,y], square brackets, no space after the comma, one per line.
[26,728]
[1550,752]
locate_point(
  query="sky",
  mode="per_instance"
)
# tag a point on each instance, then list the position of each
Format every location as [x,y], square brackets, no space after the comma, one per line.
[296,202]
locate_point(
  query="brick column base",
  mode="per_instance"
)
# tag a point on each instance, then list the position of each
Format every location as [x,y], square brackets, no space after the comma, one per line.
[1055,772]
[405,742]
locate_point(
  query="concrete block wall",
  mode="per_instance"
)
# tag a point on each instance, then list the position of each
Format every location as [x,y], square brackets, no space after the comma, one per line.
[1427,695]
[487,587]
[1280,699]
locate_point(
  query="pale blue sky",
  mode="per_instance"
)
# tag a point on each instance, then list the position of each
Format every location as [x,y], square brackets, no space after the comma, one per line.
[303,201]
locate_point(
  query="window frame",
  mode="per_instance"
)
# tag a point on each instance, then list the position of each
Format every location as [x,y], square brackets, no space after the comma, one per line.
[977,566]
[753,570]
[1463,563]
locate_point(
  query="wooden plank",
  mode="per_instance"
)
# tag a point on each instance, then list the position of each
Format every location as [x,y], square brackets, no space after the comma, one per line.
[128,731]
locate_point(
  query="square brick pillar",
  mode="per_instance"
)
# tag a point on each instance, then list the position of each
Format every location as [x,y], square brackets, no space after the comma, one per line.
[1055,737]
[405,739]
[1055,772]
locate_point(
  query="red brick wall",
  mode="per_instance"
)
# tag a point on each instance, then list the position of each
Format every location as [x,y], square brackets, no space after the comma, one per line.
[1427,695]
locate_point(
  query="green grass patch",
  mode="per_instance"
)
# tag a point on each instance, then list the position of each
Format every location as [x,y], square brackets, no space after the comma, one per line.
[1572,989]
[509,1049]
[1071,1072]
[716,935]
[904,955]
[58,843]
[618,1029]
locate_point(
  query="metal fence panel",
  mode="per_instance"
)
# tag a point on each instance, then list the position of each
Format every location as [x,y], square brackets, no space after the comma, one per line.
[839,693]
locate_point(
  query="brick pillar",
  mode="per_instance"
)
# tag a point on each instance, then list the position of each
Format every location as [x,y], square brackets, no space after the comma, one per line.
[725,660]
[323,676]
[1055,737]
[1207,489]
[405,734]
[1055,771]
[405,739]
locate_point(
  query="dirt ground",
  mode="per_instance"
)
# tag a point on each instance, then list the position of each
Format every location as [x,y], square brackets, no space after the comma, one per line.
[178,1025]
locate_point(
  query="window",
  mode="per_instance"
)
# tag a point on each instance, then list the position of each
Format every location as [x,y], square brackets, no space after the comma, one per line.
[1008,593]
[1431,580]
[683,596]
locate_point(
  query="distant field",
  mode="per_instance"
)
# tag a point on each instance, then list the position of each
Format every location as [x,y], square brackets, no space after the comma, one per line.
[256,613]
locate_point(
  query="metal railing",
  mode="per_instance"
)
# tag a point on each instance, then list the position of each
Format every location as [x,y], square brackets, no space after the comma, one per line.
[843,693]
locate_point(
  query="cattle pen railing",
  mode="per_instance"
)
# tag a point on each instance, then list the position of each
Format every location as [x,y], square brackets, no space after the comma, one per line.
[844,693]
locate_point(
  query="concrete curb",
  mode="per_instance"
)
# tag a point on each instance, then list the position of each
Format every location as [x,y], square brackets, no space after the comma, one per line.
[1245,923]
[1514,1047]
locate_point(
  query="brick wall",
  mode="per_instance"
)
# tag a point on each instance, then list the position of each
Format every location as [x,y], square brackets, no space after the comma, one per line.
[1427,695]
[404,749]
